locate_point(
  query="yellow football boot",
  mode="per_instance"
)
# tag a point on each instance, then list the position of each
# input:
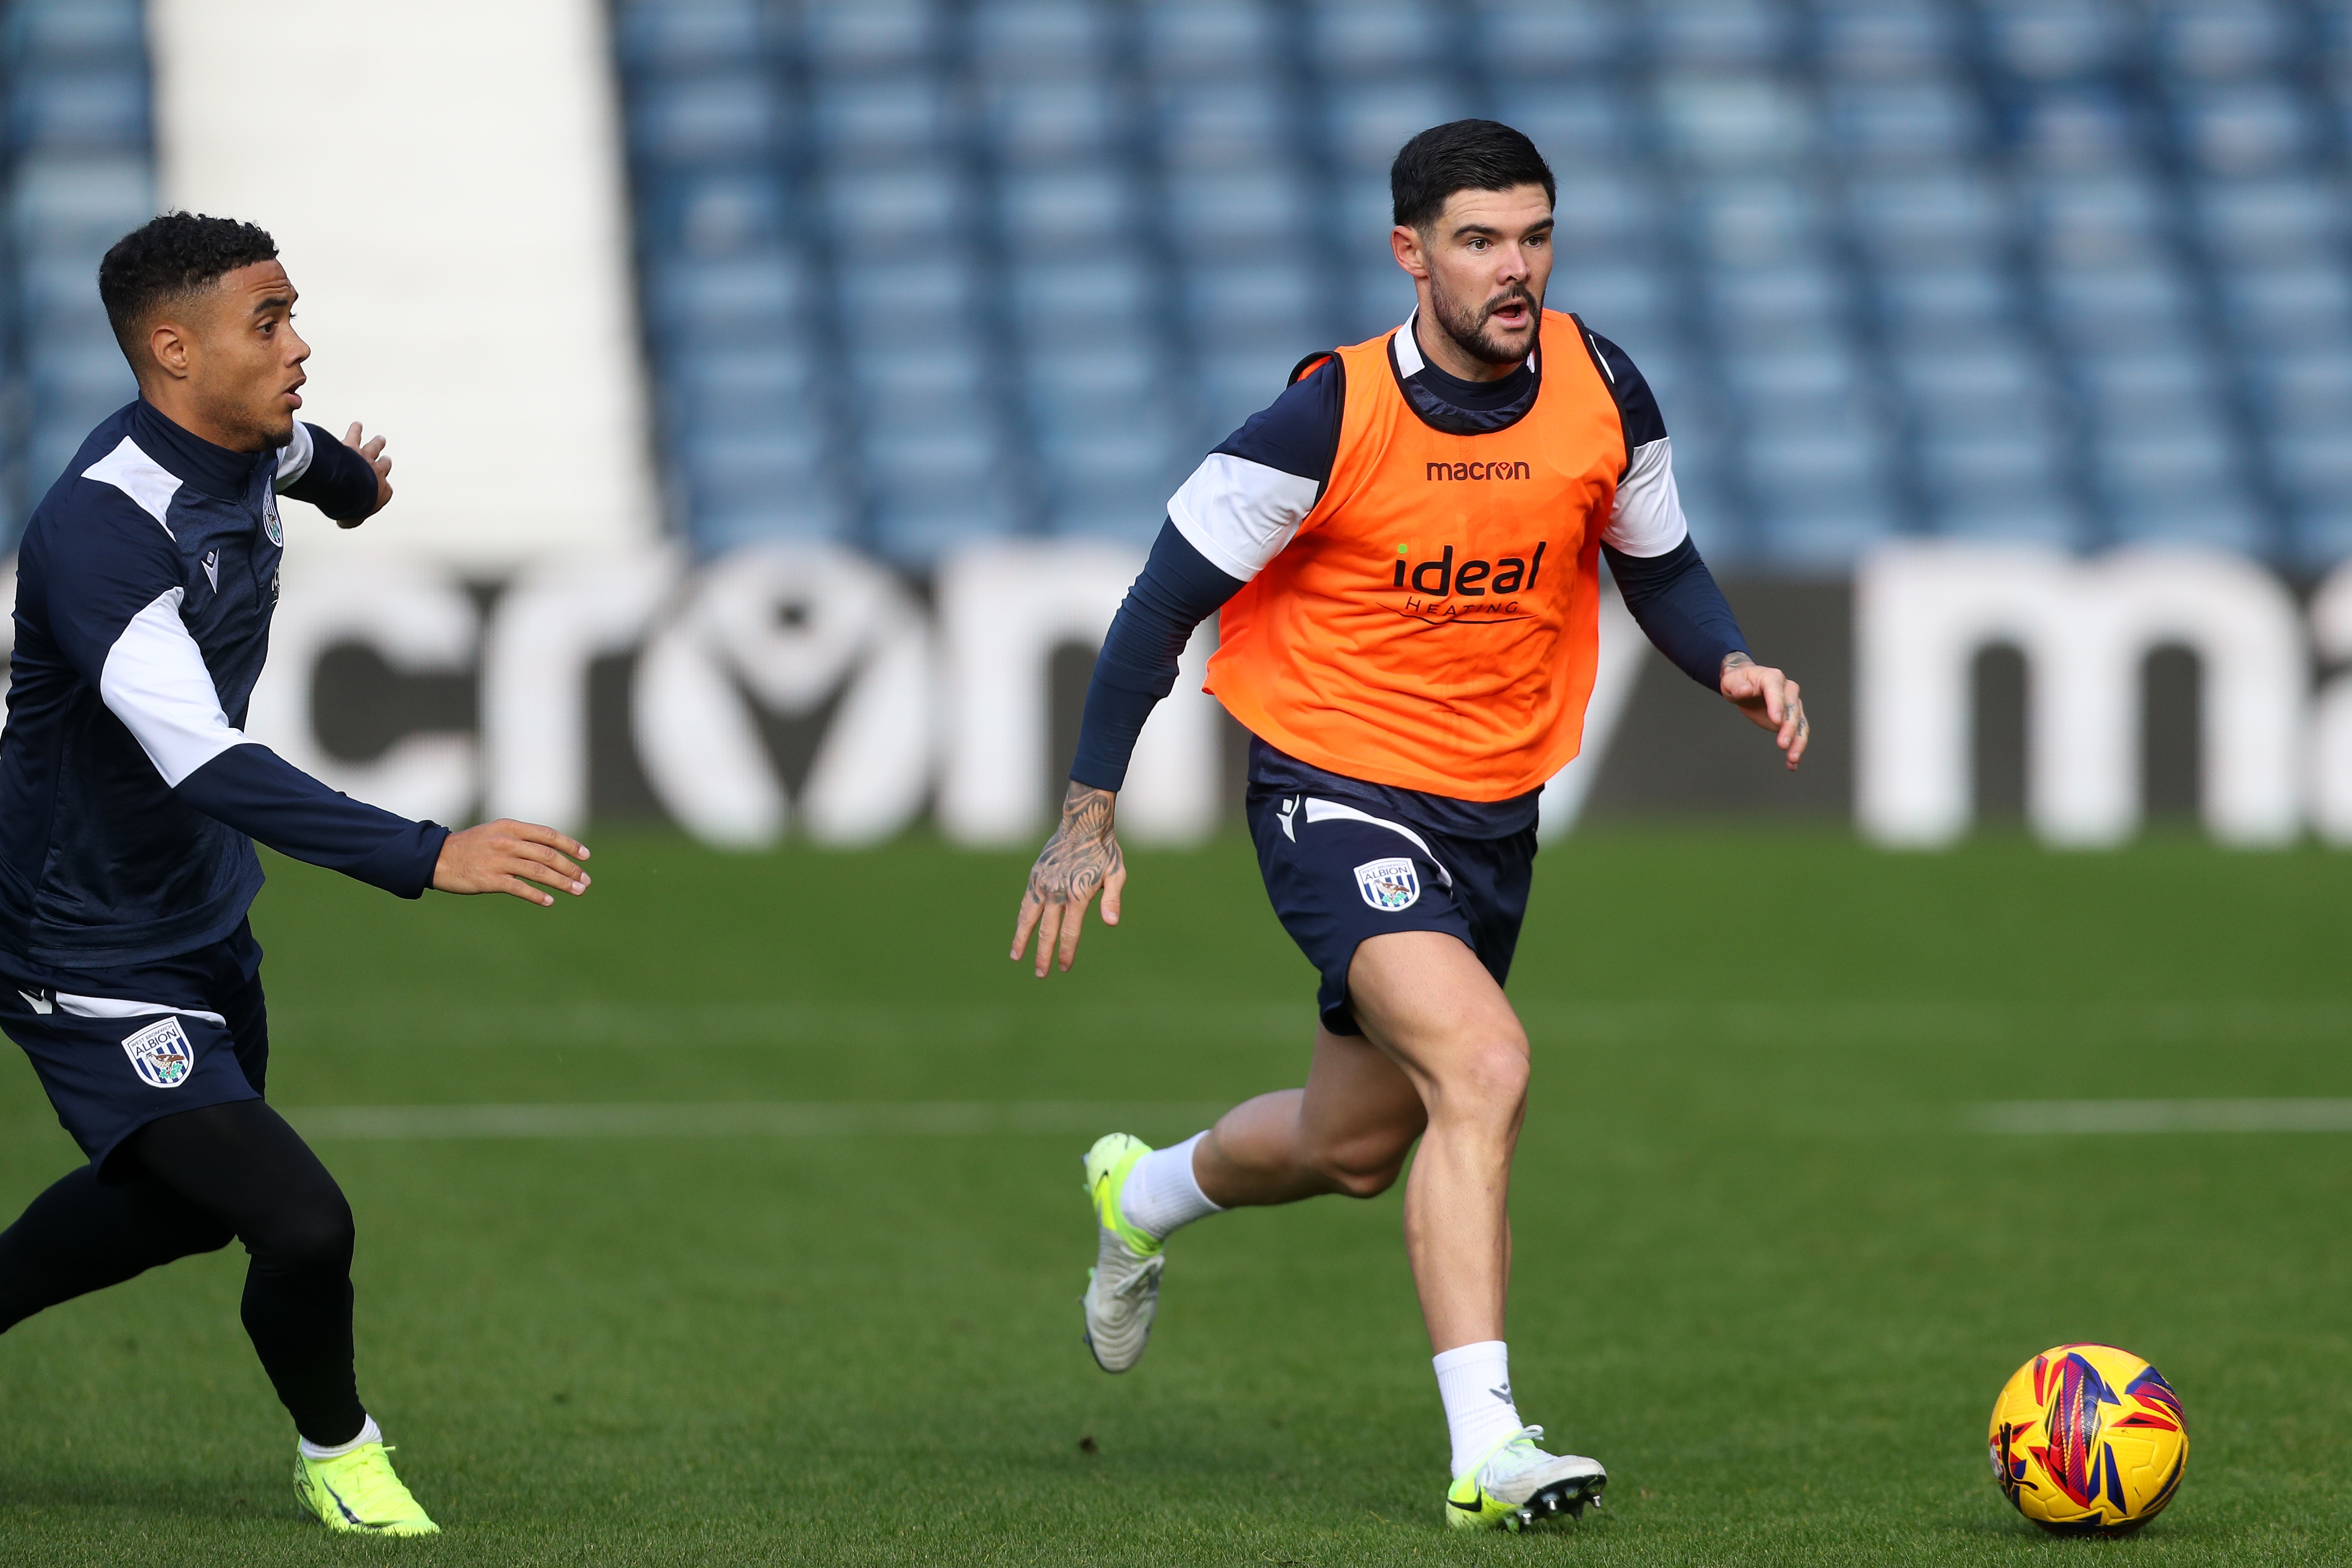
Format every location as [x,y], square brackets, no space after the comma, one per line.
[1517,1483]
[1123,1287]
[358,1492]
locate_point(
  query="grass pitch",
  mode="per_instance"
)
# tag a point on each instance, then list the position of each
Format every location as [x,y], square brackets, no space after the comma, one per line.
[1765,1271]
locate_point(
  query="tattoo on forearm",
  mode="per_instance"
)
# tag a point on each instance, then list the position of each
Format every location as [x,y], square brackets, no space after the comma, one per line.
[1736,661]
[1082,852]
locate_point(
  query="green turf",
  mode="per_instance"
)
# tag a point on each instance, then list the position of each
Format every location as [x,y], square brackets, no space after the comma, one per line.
[1763,1272]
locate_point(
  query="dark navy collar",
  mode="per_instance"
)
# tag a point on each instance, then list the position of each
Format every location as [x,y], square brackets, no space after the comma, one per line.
[190,459]
[1445,402]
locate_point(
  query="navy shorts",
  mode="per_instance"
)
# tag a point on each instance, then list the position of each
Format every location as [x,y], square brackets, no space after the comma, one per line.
[116,1049]
[1340,872]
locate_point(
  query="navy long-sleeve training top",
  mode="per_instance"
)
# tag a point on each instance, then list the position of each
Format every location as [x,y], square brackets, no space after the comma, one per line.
[129,795]
[1249,497]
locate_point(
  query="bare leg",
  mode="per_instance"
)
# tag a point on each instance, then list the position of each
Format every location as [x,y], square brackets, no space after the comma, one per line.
[1348,1131]
[1428,1003]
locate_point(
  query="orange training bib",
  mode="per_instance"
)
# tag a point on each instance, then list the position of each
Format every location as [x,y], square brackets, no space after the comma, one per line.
[1434,624]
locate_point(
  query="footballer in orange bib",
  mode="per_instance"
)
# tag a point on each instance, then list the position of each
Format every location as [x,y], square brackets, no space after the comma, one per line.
[1403,552]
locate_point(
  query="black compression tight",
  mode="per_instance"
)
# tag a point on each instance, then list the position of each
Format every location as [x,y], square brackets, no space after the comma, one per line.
[187,1184]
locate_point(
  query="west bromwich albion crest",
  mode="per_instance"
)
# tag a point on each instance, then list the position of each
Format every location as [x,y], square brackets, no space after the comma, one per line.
[1389,884]
[162,1053]
[269,523]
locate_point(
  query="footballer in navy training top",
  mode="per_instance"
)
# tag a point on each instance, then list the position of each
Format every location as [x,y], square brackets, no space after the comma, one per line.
[130,801]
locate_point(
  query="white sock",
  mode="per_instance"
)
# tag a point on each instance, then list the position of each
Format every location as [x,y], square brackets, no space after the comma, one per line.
[1475,1381]
[1162,1193]
[368,1434]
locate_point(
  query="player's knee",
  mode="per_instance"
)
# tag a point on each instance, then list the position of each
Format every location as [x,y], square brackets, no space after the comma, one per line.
[315,1235]
[1363,1178]
[1361,1168]
[1488,1078]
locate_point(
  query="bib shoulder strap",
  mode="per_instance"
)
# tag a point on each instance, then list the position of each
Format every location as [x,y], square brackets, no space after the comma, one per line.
[1310,364]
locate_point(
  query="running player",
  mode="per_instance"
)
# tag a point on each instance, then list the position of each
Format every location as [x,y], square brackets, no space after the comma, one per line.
[1404,548]
[129,802]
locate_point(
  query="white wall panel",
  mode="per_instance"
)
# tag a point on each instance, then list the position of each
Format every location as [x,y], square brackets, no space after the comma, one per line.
[443,181]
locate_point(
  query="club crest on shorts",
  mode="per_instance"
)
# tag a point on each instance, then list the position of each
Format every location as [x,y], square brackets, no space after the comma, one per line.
[1389,884]
[162,1053]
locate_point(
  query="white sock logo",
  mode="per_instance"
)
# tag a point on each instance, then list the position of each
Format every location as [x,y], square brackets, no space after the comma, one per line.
[1503,1393]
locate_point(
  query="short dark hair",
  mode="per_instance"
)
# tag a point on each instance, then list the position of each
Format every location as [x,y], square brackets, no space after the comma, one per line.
[1462,156]
[170,257]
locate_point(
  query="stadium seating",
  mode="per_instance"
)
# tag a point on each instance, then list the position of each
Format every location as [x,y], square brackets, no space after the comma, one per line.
[79,172]
[2061,270]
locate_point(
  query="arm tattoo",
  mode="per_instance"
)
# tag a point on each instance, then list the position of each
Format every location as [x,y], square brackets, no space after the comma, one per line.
[1735,661]
[1082,852]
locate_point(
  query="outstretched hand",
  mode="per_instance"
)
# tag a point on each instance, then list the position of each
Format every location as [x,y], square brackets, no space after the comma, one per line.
[512,858]
[1080,860]
[1769,697]
[373,450]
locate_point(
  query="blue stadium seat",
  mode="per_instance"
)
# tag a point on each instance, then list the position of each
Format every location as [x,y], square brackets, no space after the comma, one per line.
[730,115]
[2245,128]
[1207,37]
[868,34]
[2298,303]
[1927,120]
[1717,32]
[684,36]
[1135,214]
[1547,39]
[1883,39]
[1041,123]
[2270,220]
[1369,121]
[1028,37]
[878,117]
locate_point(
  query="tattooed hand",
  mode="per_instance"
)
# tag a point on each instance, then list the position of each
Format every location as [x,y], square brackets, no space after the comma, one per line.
[1770,698]
[1079,861]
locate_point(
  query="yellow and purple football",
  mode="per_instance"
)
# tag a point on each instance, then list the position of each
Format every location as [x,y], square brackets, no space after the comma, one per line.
[2088,1440]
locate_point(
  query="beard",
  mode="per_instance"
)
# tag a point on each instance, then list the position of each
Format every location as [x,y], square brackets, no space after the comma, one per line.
[1467,325]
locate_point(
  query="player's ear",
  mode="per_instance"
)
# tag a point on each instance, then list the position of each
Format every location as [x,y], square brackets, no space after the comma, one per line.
[1404,241]
[169,348]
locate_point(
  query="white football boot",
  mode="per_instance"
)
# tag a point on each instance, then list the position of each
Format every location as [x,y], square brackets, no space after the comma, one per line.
[1517,1483]
[1123,1287]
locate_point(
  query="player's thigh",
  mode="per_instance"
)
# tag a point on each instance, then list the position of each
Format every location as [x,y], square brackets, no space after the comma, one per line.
[245,1163]
[1427,1001]
[1361,1110]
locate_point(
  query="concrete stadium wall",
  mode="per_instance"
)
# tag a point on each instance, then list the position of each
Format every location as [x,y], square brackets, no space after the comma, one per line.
[443,180]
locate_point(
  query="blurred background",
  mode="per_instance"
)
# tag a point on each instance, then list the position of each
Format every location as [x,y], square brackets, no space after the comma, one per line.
[661,281]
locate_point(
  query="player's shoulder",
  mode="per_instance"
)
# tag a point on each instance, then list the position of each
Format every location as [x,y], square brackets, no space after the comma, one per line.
[1637,405]
[1298,432]
[108,516]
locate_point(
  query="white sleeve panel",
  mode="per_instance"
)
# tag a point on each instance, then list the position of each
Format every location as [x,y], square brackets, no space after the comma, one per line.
[1648,517]
[1239,514]
[293,458]
[156,684]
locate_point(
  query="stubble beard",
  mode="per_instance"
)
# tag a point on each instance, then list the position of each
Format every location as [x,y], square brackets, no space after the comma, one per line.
[1466,325]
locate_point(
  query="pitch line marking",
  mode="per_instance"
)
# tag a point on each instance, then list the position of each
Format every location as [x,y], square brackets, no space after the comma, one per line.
[743,1119]
[2103,1116]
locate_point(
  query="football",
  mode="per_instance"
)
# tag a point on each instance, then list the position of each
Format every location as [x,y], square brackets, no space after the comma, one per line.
[2087,1439]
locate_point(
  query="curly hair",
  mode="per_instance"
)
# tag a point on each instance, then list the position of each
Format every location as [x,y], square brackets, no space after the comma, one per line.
[170,257]
[1463,156]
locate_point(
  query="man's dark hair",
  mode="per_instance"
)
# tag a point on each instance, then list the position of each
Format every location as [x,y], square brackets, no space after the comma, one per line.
[1462,156]
[171,257]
